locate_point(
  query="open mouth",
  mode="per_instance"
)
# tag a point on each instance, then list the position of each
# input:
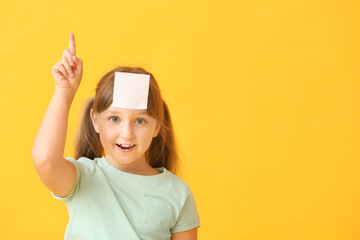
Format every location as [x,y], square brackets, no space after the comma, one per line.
[126,147]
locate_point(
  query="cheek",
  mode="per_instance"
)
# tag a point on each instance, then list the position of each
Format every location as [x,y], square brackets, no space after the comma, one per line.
[148,137]
[106,134]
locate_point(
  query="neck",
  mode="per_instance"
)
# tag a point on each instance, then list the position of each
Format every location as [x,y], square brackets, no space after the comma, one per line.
[138,167]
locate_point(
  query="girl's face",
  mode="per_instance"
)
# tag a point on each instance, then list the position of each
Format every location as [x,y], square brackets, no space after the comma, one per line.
[125,126]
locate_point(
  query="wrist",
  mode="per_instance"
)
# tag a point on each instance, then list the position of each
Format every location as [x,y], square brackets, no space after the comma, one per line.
[65,93]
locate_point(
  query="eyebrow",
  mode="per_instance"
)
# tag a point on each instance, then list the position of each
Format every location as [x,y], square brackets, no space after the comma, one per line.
[139,113]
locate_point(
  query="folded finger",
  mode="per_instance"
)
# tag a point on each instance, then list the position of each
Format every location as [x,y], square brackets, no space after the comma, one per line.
[67,67]
[62,70]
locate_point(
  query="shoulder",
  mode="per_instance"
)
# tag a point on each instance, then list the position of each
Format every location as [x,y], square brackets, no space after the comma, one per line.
[176,182]
[178,188]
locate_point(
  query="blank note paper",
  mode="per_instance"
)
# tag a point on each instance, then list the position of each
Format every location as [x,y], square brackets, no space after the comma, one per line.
[131,90]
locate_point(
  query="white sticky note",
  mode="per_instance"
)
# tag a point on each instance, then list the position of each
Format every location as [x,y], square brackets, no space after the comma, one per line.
[131,90]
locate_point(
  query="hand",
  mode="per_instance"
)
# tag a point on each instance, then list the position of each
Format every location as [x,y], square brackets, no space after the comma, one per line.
[68,71]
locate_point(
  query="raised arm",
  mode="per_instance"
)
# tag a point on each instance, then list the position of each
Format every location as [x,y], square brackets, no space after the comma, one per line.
[58,174]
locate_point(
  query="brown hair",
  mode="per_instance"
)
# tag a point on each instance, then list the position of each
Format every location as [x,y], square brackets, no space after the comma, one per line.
[163,148]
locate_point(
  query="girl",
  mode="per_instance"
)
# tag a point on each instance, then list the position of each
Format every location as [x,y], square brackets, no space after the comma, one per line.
[131,192]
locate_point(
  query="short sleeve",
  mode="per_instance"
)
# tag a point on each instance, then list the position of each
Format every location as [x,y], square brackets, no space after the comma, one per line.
[189,216]
[76,185]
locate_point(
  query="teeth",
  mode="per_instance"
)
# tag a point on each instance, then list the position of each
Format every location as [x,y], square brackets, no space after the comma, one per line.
[124,145]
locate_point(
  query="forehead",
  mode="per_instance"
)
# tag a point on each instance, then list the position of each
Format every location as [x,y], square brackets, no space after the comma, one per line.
[119,111]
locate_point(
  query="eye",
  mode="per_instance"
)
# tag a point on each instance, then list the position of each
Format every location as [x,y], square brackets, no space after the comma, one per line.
[116,119]
[142,120]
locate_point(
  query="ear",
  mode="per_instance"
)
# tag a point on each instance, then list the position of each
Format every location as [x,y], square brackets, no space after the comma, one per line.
[157,129]
[94,120]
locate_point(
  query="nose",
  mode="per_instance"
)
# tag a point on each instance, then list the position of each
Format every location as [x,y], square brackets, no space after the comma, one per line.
[126,130]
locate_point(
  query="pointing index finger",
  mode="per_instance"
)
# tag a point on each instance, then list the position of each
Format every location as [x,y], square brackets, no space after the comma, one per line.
[72,44]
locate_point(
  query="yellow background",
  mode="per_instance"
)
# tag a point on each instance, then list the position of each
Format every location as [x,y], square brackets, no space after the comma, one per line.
[264,97]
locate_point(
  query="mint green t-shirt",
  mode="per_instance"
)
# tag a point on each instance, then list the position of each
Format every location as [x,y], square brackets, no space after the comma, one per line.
[109,204]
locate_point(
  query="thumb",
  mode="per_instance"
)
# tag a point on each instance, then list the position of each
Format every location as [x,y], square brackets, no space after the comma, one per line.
[78,62]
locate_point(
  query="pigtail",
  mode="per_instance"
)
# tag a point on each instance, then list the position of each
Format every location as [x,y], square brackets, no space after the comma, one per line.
[88,141]
[163,148]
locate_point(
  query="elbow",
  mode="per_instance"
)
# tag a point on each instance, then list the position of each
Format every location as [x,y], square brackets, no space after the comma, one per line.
[39,156]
